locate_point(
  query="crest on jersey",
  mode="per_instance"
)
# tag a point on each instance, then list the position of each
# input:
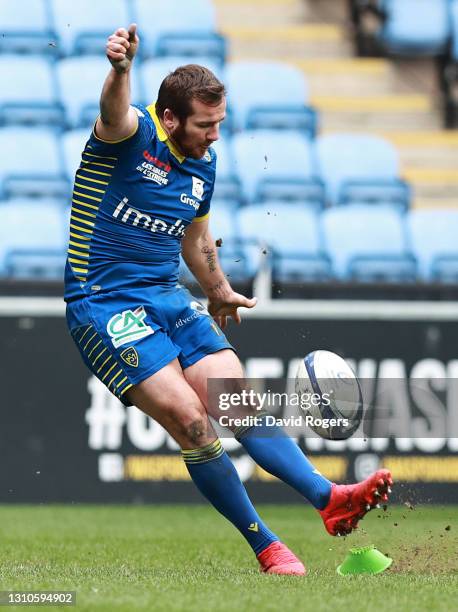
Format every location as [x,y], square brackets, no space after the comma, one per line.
[197,188]
[130,356]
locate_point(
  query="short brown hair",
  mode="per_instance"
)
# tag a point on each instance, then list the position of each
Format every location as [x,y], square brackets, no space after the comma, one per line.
[185,84]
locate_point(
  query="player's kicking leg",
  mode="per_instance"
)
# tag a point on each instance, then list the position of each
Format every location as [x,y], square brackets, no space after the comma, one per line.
[167,397]
[340,506]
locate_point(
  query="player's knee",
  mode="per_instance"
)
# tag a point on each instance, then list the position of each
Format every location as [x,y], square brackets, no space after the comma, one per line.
[196,430]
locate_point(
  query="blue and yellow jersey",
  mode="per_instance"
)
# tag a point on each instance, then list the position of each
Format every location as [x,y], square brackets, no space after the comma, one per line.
[132,201]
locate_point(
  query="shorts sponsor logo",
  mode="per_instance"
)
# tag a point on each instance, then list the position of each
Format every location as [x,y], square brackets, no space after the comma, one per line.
[130,356]
[199,310]
[197,188]
[127,326]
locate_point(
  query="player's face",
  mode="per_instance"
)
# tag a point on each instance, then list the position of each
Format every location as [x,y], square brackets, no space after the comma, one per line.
[200,129]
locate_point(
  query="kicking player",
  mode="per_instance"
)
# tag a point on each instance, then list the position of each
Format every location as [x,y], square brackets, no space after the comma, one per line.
[141,195]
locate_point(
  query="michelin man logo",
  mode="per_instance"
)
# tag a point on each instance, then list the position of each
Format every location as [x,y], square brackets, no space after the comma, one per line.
[197,188]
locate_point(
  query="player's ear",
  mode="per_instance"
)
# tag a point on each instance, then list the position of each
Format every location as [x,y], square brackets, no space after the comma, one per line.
[170,120]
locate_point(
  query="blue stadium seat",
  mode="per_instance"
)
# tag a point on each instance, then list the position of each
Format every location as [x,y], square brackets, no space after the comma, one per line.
[269,95]
[360,168]
[154,71]
[277,165]
[433,235]
[80,81]
[33,163]
[289,235]
[29,95]
[415,27]
[454,30]
[179,28]
[73,143]
[368,243]
[84,26]
[227,184]
[33,238]
[26,28]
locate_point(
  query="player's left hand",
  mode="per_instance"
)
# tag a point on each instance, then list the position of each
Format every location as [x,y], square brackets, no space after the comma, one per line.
[222,308]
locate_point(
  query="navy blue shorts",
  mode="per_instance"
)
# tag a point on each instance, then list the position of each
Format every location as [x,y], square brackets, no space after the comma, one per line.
[126,336]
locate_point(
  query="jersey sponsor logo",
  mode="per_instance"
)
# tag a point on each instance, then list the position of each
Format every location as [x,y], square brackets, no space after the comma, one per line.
[154,160]
[185,199]
[197,188]
[135,217]
[127,326]
[153,173]
[130,356]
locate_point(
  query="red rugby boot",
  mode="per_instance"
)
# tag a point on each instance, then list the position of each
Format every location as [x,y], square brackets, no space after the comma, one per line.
[349,503]
[278,559]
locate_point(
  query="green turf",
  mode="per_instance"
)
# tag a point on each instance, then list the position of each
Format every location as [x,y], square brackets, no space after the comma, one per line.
[188,558]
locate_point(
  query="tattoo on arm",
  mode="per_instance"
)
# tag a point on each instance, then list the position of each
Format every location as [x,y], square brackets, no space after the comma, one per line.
[210,256]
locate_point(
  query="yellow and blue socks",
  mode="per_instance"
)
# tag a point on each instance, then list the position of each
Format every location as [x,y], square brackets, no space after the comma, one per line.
[216,478]
[279,455]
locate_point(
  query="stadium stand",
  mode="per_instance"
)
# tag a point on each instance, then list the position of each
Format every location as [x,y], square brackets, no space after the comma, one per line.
[153,71]
[185,28]
[433,236]
[227,184]
[256,103]
[372,247]
[287,234]
[401,27]
[31,94]
[360,168]
[82,102]
[415,27]
[276,165]
[84,26]
[33,236]
[73,143]
[33,165]
[31,35]
[55,67]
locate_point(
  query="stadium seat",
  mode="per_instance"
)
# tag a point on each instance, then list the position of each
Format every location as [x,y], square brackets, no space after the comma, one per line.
[33,238]
[182,28]
[368,243]
[73,143]
[26,28]
[33,165]
[433,236]
[80,81]
[227,184]
[360,168]
[30,95]
[415,27]
[290,236]
[84,26]
[277,165]
[154,71]
[269,95]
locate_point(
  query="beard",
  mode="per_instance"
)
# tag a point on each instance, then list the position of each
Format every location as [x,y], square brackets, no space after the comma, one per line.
[181,139]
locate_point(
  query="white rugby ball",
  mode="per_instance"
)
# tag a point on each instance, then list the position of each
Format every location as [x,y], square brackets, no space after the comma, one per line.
[330,395]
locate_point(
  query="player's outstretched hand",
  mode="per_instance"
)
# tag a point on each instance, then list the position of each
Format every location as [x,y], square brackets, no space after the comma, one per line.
[220,309]
[121,47]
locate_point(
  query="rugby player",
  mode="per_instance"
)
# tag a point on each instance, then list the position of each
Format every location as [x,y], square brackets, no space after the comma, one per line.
[141,195]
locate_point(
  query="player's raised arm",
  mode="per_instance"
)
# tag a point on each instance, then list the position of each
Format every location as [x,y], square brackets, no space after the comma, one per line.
[200,254]
[118,119]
